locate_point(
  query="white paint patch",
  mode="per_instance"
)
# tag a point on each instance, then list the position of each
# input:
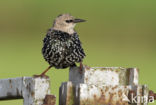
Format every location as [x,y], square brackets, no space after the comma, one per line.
[84,92]
[40,86]
[105,77]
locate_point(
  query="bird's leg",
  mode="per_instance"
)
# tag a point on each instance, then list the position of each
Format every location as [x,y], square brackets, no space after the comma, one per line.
[81,68]
[46,70]
[43,73]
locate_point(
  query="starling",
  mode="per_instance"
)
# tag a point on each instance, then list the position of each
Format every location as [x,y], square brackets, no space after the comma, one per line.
[61,45]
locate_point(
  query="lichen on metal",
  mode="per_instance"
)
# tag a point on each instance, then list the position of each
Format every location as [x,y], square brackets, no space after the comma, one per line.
[32,90]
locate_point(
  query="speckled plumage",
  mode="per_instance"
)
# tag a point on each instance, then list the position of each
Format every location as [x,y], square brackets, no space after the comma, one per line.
[61,49]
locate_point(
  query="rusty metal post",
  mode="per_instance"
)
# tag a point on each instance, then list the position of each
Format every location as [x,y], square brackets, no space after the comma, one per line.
[105,76]
[104,86]
[32,90]
[49,100]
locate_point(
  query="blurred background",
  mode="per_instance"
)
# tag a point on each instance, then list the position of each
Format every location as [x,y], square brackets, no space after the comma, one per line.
[117,33]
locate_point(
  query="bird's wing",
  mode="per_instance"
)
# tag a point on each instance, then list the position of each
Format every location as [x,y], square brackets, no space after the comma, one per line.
[52,48]
[75,51]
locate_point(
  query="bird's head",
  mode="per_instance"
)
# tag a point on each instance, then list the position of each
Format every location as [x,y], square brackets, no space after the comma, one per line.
[66,23]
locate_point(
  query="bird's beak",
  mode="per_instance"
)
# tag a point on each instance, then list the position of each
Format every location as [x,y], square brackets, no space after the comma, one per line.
[78,20]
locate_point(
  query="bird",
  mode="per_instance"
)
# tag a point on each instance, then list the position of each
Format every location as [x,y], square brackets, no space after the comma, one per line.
[62,47]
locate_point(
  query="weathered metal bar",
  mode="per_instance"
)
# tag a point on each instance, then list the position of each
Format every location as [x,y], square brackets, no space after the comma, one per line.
[66,94]
[104,75]
[83,94]
[103,86]
[32,90]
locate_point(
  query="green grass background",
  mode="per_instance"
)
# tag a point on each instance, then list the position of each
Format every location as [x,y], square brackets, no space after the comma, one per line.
[117,33]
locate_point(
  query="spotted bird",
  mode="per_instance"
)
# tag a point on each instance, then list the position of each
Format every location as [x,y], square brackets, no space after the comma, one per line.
[61,46]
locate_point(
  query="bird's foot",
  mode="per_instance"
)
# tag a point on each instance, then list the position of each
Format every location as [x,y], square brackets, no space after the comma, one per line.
[41,76]
[82,68]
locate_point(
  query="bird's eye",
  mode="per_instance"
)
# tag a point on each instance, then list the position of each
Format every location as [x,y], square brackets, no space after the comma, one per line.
[69,21]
